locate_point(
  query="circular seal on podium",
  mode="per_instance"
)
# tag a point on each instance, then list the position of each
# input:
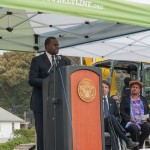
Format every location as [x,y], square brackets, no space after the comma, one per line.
[86,90]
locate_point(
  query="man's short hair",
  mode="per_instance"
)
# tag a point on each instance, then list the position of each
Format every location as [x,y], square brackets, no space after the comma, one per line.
[106,82]
[127,80]
[48,40]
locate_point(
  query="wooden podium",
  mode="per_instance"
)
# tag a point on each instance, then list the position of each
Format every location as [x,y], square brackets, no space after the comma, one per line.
[73,117]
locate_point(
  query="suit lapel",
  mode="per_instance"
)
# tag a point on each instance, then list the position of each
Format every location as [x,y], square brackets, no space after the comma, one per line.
[110,104]
[142,100]
[144,104]
[46,60]
[128,101]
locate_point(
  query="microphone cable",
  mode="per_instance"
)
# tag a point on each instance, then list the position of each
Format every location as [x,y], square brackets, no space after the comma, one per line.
[115,132]
[112,130]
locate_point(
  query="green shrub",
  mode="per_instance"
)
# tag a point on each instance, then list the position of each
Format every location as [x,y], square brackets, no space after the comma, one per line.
[21,136]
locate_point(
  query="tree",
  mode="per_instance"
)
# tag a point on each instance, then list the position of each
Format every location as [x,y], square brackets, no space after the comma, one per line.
[15,91]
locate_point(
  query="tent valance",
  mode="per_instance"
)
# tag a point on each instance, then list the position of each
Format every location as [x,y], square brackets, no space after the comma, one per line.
[121,11]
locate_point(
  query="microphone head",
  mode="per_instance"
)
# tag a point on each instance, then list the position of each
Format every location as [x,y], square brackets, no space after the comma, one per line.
[58,57]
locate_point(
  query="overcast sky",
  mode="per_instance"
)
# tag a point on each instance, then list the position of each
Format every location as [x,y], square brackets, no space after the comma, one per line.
[1,52]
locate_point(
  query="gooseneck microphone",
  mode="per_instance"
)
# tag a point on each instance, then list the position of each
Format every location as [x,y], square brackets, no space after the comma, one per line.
[55,62]
[57,57]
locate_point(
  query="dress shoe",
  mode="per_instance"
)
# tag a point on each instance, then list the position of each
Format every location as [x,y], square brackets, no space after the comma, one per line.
[132,144]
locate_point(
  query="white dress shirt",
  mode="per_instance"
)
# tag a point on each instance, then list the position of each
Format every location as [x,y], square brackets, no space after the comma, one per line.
[49,57]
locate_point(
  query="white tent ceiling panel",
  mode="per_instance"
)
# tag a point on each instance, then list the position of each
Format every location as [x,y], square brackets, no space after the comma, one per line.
[9,41]
[24,42]
[84,32]
[129,47]
[27,31]
[89,32]
[100,49]
[42,22]
[73,52]
[20,28]
[144,52]
[130,56]
[14,21]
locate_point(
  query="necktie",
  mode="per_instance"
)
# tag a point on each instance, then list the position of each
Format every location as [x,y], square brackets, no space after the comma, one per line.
[106,109]
[52,59]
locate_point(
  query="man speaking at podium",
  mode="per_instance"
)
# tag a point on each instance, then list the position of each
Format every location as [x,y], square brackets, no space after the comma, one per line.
[40,69]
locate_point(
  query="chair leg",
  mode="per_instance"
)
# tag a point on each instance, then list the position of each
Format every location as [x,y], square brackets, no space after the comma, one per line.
[143,145]
[123,145]
[119,144]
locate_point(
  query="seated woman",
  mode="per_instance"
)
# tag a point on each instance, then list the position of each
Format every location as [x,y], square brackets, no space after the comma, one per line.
[132,109]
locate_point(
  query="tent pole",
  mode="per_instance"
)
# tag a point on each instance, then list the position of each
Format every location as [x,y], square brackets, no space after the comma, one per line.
[36,53]
[81,60]
[94,60]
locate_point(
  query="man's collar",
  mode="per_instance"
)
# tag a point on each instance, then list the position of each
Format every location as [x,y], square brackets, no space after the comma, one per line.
[48,54]
[105,96]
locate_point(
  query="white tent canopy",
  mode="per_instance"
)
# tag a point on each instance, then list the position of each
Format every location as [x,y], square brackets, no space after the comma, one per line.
[26,31]
[130,47]
[22,30]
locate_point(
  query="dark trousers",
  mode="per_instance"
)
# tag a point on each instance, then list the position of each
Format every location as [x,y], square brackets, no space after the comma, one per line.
[115,129]
[39,129]
[138,135]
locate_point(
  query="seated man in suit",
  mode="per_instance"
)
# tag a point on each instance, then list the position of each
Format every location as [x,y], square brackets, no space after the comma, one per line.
[111,123]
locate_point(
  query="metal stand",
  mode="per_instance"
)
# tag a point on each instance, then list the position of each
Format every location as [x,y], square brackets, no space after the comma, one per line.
[55,100]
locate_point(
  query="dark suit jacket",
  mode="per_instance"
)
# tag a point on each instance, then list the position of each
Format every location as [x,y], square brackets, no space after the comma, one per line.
[39,71]
[125,108]
[113,109]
